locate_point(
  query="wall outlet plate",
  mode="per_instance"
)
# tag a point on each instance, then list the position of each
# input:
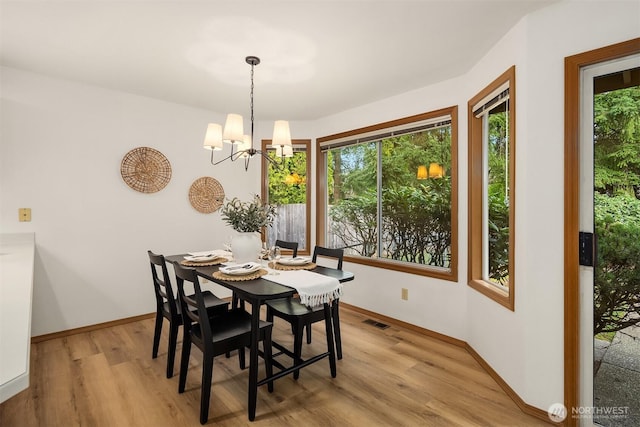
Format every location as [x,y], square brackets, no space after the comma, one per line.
[24,214]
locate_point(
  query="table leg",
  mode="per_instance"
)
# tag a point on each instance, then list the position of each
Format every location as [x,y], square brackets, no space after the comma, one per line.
[253,359]
[332,355]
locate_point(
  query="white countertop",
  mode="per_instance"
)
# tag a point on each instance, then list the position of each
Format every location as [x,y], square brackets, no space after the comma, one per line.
[17,253]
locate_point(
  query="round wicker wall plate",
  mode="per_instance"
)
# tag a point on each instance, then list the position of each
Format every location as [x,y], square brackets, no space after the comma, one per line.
[206,194]
[145,170]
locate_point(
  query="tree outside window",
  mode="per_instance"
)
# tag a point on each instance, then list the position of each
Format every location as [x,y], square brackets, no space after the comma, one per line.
[389,198]
[287,186]
[492,190]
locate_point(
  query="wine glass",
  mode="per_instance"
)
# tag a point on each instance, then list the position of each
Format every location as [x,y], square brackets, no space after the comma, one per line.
[263,254]
[274,256]
[227,244]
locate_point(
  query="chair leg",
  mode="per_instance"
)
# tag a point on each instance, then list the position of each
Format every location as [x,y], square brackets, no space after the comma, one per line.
[173,340]
[241,358]
[329,332]
[336,328]
[309,333]
[156,334]
[267,350]
[236,302]
[184,361]
[298,329]
[205,392]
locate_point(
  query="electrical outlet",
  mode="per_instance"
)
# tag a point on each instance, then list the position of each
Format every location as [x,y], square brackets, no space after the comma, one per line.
[24,214]
[405,294]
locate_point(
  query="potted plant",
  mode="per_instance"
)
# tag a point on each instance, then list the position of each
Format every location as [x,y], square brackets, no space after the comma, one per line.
[247,218]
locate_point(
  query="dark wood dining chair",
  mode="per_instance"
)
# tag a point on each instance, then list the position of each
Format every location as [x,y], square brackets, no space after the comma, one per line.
[168,308]
[293,246]
[300,316]
[230,330]
[337,255]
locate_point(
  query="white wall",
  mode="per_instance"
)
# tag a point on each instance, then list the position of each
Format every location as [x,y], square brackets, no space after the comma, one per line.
[525,347]
[62,143]
[60,153]
[435,304]
[528,353]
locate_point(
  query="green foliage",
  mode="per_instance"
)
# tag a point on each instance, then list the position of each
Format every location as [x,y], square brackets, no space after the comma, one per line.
[617,135]
[617,272]
[248,216]
[417,223]
[416,215]
[498,199]
[498,236]
[354,221]
[617,209]
[288,185]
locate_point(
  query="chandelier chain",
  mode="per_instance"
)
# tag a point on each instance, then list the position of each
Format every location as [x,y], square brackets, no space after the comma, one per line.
[251,102]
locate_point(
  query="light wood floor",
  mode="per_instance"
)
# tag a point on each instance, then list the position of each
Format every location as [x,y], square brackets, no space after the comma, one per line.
[388,377]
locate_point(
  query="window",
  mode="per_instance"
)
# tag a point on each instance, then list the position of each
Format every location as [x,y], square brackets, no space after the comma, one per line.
[289,187]
[492,190]
[387,194]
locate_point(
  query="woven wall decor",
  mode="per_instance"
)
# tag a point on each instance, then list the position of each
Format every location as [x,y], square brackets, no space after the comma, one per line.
[206,194]
[145,170]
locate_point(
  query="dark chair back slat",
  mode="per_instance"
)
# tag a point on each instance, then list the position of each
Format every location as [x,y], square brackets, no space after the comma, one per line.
[193,308]
[162,282]
[288,245]
[336,254]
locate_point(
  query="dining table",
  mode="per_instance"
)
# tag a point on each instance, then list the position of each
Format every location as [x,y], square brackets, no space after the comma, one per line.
[256,292]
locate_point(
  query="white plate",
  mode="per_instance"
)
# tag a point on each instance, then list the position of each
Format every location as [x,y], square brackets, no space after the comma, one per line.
[299,260]
[201,258]
[241,269]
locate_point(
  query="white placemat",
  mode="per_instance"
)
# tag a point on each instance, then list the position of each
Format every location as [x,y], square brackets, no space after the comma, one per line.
[314,288]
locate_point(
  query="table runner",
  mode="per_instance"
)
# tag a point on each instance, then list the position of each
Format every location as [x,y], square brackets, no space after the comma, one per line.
[314,289]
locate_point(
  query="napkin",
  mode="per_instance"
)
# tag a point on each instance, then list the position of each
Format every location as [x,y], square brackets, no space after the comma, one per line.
[217,252]
[240,269]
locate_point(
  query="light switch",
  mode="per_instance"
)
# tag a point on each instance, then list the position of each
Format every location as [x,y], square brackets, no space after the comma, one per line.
[24,214]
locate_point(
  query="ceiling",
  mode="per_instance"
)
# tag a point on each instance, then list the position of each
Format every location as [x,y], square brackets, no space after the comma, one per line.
[318,57]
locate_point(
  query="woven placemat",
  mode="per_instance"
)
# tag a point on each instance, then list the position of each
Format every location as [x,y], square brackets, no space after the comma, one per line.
[145,170]
[256,274]
[276,266]
[216,261]
[206,194]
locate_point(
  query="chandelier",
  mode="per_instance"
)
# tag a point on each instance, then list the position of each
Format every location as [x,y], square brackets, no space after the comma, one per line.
[241,143]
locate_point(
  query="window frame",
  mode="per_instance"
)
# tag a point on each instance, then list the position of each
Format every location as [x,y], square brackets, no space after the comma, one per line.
[476,188]
[298,145]
[321,195]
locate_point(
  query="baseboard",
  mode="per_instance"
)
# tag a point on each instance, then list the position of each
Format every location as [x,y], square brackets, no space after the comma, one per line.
[524,407]
[90,328]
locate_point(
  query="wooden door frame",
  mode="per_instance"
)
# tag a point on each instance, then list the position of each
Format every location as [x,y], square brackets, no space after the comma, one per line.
[572,99]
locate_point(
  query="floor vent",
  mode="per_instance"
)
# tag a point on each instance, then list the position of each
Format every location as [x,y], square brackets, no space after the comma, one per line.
[375,323]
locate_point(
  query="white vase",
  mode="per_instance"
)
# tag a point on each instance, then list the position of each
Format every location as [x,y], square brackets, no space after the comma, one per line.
[246,246]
